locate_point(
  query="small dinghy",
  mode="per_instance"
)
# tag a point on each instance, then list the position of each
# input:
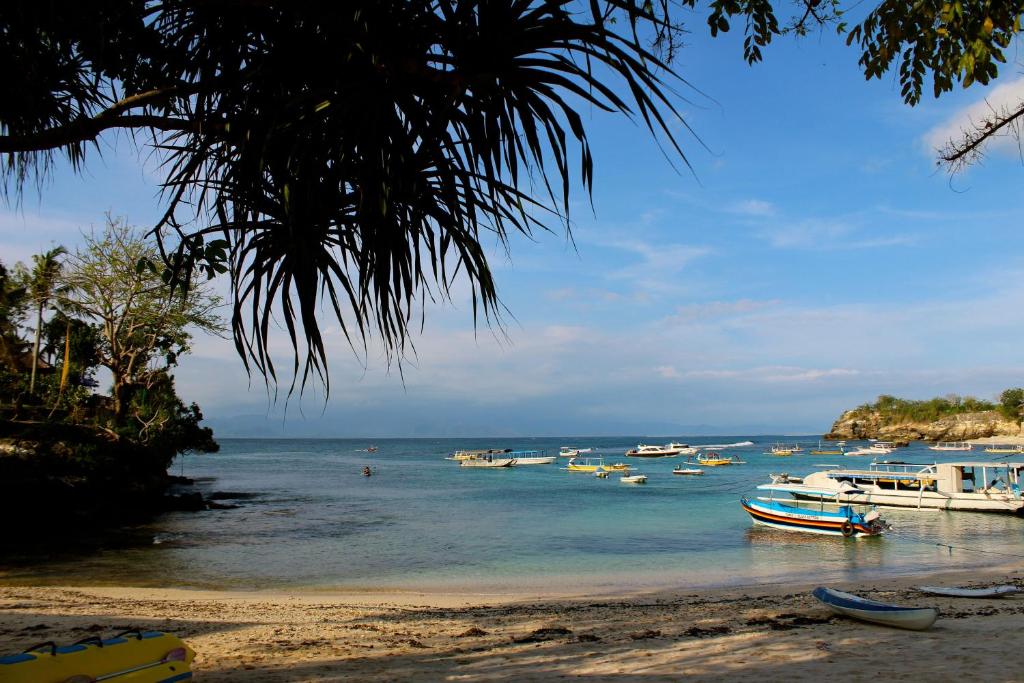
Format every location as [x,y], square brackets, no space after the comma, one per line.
[849,605]
[991,592]
[634,479]
[687,470]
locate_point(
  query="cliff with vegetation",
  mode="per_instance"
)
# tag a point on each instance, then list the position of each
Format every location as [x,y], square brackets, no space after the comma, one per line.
[949,418]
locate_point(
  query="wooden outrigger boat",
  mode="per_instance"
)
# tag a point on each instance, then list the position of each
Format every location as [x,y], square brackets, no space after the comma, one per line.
[850,605]
[714,459]
[842,522]
[997,448]
[488,461]
[951,446]
[474,454]
[594,465]
[532,457]
[821,450]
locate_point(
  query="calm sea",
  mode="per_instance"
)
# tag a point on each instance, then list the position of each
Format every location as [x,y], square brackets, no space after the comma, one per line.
[309,519]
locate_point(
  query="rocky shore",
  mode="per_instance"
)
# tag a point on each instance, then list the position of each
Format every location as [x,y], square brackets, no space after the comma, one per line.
[862,424]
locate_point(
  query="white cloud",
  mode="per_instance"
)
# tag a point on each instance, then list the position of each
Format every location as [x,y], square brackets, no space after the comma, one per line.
[753,207]
[1001,98]
[831,235]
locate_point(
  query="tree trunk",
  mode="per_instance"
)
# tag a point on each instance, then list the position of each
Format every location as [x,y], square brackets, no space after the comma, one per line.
[35,349]
[65,369]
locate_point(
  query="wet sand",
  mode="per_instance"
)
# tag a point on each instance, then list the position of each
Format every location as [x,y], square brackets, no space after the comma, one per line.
[763,633]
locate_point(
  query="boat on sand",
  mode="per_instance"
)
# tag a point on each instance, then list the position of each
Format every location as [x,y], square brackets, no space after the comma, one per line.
[850,605]
[990,592]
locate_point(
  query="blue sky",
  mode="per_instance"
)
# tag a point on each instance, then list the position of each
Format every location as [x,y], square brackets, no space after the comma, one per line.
[813,259]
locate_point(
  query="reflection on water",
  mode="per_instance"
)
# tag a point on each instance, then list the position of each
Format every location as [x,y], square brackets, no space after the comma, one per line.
[309,518]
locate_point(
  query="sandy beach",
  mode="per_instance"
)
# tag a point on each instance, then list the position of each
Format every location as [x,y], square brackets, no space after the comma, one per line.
[763,633]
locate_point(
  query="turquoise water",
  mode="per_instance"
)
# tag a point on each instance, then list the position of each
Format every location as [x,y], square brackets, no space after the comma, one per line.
[312,520]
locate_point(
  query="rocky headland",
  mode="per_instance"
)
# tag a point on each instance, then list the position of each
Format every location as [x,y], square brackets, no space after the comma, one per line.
[861,423]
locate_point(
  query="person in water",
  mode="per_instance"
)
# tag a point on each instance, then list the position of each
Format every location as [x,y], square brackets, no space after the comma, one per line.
[366,471]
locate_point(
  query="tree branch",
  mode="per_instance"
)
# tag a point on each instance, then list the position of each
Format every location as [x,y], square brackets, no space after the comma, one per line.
[965,150]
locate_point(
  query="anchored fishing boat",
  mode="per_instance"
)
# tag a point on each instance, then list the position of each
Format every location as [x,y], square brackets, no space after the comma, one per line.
[594,465]
[850,605]
[474,454]
[951,446]
[532,457]
[488,461]
[633,479]
[955,486]
[780,450]
[821,450]
[713,459]
[842,522]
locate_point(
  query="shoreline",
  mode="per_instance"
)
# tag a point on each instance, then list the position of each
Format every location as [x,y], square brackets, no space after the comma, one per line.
[752,632]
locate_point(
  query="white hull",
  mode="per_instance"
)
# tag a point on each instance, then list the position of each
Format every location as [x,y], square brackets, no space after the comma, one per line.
[495,462]
[802,530]
[912,619]
[993,592]
[963,502]
[538,460]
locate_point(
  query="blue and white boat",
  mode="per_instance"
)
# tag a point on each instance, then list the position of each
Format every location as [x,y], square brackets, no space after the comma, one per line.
[850,605]
[844,521]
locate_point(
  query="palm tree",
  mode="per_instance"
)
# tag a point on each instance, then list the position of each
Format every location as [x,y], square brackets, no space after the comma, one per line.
[43,284]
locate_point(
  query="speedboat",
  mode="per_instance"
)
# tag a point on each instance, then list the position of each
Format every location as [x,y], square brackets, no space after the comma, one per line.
[960,486]
[684,448]
[842,522]
[633,479]
[688,470]
[645,451]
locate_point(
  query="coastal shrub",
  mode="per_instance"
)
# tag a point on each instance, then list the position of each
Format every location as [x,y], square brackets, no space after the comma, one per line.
[1011,403]
[894,409]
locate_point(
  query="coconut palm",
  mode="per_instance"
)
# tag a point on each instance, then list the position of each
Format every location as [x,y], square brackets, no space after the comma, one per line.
[43,284]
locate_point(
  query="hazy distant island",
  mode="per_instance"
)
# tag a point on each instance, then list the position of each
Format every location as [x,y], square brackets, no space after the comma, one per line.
[947,418]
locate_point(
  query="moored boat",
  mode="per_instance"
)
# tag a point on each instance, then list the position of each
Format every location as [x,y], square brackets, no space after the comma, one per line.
[955,486]
[781,450]
[822,450]
[531,457]
[1004,448]
[594,465]
[713,459]
[474,454]
[646,451]
[850,605]
[633,479]
[842,522]
[488,461]
[951,446]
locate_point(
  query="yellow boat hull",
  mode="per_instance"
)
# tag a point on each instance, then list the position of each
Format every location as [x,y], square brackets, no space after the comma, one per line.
[146,657]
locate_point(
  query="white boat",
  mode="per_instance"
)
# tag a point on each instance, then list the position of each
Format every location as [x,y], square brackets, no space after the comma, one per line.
[873,449]
[645,451]
[474,454]
[951,446]
[844,521]
[991,592]
[738,444]
[688,470]
[685,448]
[488,461]
[960,486]
[633,479]
[850,605]
[532,457]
